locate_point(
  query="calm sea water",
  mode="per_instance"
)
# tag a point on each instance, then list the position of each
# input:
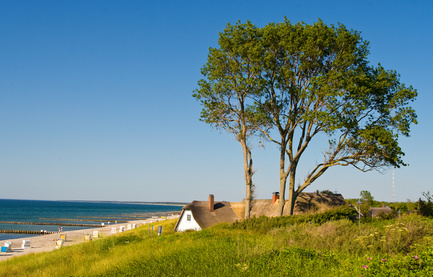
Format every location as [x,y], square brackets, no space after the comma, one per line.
[58,213]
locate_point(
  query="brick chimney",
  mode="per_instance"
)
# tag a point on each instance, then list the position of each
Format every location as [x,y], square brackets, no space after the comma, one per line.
[275,197]
[211,203]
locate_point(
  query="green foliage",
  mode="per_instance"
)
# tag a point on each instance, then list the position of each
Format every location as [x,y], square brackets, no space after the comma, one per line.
[367,197]
[230,85]
[387,216]
[408,264]
[402,207]
[425,208]
[326,191]
[264,224]
[332,248]
[227,94]
[291,82]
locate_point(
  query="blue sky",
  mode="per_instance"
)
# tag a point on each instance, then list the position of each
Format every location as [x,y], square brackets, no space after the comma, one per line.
[95,98]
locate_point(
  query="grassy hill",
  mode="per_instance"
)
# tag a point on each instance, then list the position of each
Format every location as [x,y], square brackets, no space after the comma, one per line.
[326,244]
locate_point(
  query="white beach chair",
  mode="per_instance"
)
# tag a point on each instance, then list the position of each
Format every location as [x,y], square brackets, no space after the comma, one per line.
[113,230]
[128,227]
[134,226]
[7,247]
[121,229]
[26,244]
[59,243]
[95,234]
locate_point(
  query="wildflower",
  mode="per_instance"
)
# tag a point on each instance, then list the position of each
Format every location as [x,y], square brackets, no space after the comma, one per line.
[368,259]
[415,257]
[383,260]
[365,266]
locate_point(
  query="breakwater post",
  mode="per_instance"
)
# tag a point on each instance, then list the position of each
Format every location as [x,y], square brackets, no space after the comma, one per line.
[51,223]
[26,232]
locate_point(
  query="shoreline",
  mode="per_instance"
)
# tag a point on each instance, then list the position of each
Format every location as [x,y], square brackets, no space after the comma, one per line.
[45,243]
[178,204]
[159,204]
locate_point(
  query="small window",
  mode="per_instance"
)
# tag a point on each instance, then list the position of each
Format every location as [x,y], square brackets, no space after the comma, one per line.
[188,217]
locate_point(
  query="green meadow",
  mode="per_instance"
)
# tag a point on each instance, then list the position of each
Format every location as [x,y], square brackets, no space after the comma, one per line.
[327,244]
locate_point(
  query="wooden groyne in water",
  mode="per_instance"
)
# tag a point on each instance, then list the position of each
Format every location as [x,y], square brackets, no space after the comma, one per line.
[26,232]
[77,219]
[50,223]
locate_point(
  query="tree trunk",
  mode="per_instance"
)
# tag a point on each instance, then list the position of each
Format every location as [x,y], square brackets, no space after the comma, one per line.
[283,179]
[282,193]
[248,163]
[248,202]
[292,193]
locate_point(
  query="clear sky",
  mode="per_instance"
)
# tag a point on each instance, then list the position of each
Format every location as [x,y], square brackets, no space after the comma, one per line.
[95,98]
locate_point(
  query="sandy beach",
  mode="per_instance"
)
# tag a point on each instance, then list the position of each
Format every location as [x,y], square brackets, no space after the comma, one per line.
[44,243]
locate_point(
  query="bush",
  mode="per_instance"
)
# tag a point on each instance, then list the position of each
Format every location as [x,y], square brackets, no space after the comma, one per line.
[425,208]
[402,207]
[264,223]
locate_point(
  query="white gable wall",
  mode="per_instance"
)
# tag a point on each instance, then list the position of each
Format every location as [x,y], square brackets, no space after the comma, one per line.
[185,224]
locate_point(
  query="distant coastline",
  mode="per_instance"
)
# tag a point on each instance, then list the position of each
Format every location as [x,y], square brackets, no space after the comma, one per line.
[180,204]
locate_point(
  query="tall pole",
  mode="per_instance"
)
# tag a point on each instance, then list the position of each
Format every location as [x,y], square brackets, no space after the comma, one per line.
[393,188]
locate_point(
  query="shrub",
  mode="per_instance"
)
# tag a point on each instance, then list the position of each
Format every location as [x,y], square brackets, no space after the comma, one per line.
[425,208]
[402,207]
[396,236]
[264,223]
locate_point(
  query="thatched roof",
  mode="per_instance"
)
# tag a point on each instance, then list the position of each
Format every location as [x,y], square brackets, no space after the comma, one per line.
[231,211]
[377,211]
[305,203]
[317,202]
[223,212]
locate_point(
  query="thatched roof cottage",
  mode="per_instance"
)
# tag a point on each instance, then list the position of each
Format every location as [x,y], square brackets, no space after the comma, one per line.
[375,212]
[202,214]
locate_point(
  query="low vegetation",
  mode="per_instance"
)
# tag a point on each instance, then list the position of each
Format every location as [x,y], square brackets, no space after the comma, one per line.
[421,207]
[327,244]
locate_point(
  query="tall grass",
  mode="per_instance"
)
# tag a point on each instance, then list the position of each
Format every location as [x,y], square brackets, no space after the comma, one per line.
[401,247]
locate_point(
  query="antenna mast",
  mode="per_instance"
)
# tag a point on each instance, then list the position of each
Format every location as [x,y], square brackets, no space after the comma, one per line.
[393,188]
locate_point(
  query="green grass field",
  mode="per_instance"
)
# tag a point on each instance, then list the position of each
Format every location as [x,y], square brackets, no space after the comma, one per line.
[288,246]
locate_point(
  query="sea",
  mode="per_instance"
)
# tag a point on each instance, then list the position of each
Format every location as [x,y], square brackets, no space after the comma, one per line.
[40,216]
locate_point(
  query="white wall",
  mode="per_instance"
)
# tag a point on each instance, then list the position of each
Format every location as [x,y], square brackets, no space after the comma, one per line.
[184,224]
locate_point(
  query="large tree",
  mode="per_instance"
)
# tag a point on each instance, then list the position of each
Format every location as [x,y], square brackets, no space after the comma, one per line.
[308,80]
[231,80]
[318,80]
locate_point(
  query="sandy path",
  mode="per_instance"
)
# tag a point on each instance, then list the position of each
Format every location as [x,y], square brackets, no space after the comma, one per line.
[48,242]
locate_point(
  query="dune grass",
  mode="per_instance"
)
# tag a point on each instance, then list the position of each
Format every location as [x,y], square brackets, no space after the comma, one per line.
[401,247]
